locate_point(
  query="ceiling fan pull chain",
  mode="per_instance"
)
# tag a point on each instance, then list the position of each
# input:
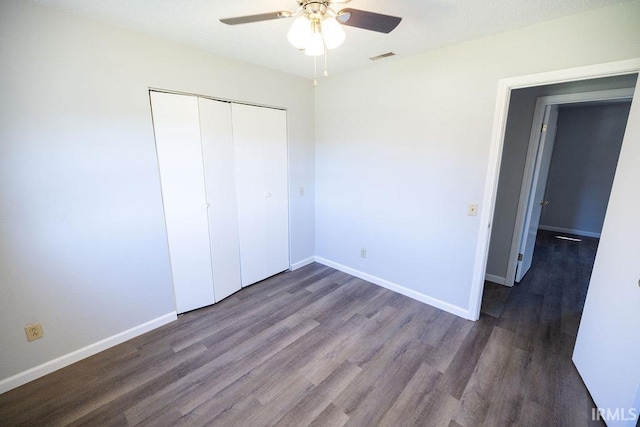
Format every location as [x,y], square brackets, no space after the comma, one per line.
[315,71]
[326,73]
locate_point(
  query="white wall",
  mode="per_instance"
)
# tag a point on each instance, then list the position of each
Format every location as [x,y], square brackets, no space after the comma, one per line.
[402,148]
[82,239]
[514,156]
[585,157]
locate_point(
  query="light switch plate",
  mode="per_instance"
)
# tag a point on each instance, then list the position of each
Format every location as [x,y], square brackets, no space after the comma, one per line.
[472,210]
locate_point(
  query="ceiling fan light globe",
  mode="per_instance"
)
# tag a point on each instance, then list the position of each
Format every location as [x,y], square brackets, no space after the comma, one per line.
[300,32]
[315,47]
[332,32]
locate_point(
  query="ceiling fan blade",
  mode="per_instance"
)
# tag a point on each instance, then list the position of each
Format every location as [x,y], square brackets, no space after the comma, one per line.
[368,20]
[256,18]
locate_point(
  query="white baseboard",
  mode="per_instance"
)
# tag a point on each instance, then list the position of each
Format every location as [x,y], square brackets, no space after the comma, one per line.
[302,263]
[569,231]
[453,309]
[70,358]
[495,279]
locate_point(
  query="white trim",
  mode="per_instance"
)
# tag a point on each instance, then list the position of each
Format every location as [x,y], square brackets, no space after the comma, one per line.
[495,151]
[302,263]
[453,309]
[608,69]
[569,231]
[532,153]
[495,279]
[489,198]
[70,358]
[599,95]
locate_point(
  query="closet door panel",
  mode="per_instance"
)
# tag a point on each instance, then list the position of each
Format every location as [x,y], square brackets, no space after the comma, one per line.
[217,146]
[260,140]
[251,192]
[275,157]
[179,149]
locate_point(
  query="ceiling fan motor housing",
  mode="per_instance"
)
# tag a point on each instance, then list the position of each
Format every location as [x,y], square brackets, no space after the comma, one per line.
[314,9]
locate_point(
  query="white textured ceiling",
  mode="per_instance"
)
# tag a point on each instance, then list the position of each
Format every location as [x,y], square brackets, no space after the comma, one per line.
[426,25]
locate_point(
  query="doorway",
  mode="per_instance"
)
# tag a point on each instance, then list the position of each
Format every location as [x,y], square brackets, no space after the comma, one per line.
[525,163]
[505,88]
[612,308]
[575,163]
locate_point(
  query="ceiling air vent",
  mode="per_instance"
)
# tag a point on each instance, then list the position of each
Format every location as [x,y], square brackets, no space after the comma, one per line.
[384,55]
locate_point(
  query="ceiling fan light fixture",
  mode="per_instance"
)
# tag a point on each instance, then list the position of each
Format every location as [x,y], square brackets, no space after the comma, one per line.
[317,28]
[332,32]
[300,33]
[315,46]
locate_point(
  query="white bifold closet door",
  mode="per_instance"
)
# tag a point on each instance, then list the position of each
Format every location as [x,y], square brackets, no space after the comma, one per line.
[218,153]
[260,140]
[195,154]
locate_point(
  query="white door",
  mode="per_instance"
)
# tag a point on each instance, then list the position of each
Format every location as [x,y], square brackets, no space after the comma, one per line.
[217,147]
[608,343]
[260,140]
[177,132]
[538,186]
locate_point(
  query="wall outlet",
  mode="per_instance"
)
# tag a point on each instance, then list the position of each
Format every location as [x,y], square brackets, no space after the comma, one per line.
[472,210]
[33,331]
[301,192]
[363,253]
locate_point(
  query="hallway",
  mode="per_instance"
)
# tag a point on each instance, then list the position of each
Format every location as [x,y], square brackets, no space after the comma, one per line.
[542,314]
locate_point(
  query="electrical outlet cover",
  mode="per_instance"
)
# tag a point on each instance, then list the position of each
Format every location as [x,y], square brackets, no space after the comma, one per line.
[33,331]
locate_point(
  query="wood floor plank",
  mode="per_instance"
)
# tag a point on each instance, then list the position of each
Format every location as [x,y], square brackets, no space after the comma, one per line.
[320,347]
[464,362]
[534,414]
[446,348]
[319,397]
[384,327]
[215,413]
[285,401]
[386,374]
[213,376]
[487,375]
[410,403]
[226,370]
[302,359]
[540,385]
[506,403]
[330,417]
[270,379]
[494,299]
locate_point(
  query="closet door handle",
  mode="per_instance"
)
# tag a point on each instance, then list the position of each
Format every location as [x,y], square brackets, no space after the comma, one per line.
[267,194]
[205,205]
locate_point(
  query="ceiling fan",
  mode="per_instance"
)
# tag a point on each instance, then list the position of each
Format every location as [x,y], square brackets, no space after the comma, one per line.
[352,17]
[317,27]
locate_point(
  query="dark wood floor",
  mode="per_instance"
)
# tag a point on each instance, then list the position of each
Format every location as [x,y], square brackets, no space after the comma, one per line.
[318,347]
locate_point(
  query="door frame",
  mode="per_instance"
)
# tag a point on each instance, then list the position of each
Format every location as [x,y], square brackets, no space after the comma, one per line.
[505,86]
[532,155]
